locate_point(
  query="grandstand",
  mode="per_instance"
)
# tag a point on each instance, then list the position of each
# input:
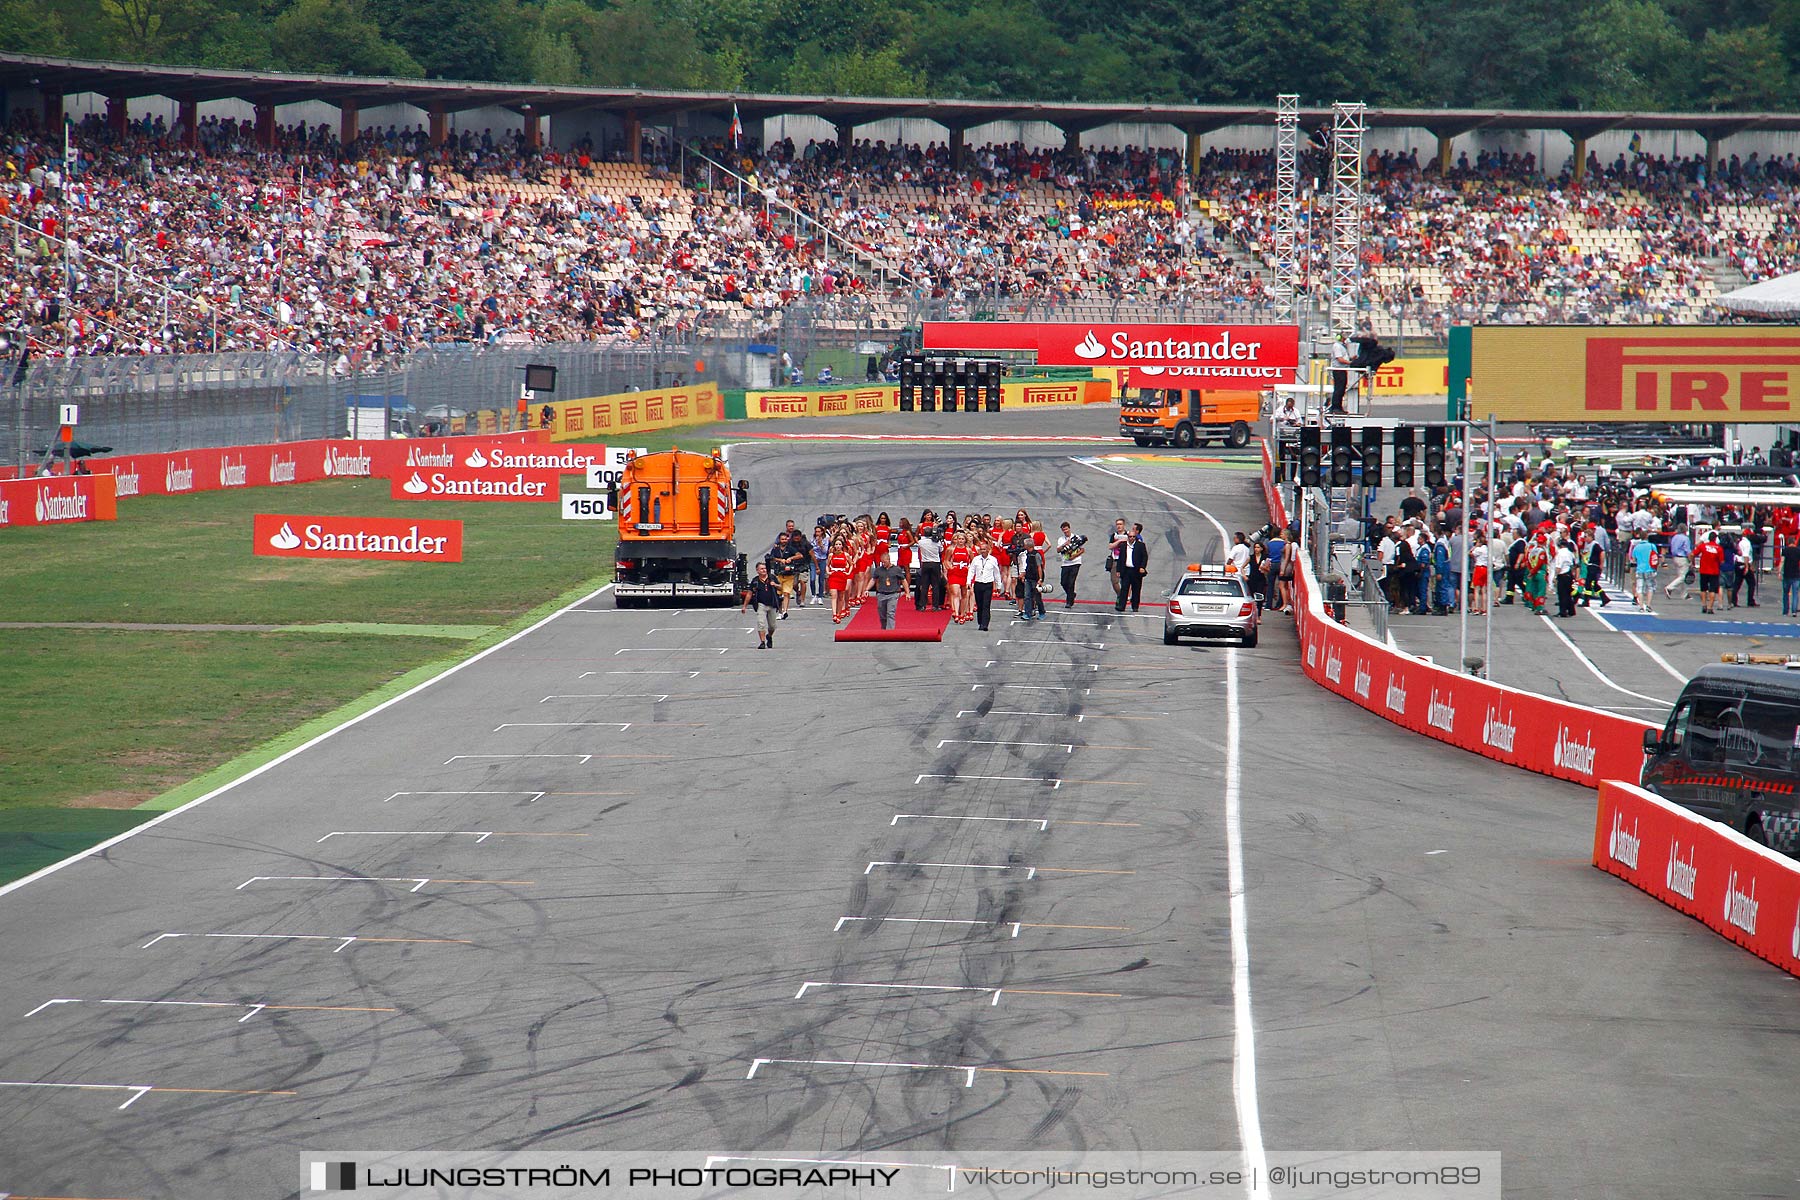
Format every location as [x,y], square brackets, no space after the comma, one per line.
[141,236]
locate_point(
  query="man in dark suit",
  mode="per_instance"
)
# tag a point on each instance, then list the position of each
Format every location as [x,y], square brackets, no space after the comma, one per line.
[1134,564]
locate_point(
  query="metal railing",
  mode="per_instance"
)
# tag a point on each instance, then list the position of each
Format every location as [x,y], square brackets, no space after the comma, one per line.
[160,403]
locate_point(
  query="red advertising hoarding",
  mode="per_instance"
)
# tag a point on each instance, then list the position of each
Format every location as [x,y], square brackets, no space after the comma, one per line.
[466,483]
[1209,355]
[1709,871]
[1516,727]
[57,500]
[288,535]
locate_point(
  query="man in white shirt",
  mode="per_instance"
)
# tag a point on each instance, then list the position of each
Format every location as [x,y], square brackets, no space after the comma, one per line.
[929,587]
[1746,569]
[984,573]
[1238,557]
[1563,566]
[1341,357]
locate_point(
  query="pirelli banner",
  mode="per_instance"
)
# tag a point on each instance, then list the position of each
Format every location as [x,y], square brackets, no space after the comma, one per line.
[634,412]
[1728,374]
[886,398]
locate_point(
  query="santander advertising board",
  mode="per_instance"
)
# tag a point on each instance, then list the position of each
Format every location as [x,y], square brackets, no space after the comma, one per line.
[1224,354]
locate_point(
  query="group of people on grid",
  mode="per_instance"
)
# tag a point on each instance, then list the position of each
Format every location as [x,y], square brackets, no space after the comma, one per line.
[947,563]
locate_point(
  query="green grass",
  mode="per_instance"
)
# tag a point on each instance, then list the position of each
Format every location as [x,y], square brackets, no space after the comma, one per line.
[188,560]
[105,728]
[109,718]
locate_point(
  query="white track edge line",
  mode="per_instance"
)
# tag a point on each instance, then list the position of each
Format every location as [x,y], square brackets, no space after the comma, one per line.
[109,843]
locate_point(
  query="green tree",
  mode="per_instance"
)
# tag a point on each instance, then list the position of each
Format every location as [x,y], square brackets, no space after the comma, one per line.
[33,27]
[1319,49]
[336,36]
[454,39]
[1744,69]
[856,72]
[639,44]
[1630,54]
[995,50]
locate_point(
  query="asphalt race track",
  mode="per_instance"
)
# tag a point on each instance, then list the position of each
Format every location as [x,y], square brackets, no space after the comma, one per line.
[609,887]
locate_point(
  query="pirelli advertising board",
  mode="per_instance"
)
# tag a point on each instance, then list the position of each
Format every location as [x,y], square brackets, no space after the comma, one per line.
[1729,374]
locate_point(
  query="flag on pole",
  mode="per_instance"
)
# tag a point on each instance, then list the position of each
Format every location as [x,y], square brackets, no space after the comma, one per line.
[1637,142]
[737,127]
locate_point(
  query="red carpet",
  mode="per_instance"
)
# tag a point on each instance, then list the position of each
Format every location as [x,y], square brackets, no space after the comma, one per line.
[910,625]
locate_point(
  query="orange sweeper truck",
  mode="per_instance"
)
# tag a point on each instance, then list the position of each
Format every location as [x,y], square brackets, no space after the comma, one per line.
[677,530]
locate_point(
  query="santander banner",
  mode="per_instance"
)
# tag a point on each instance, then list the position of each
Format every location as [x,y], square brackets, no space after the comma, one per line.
[1207,354]
[1709,871]
[285,535]
[466,483]
[487,454]
[58,500]
[222,468]
[1511,726]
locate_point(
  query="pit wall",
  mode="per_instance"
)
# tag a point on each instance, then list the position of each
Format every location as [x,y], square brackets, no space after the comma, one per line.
[1714,874]
[1508,725]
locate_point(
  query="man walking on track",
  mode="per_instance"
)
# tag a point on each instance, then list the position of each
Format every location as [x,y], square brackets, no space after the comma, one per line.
[928,589]
[1070,550]
[1031,573]
[1134,564]
[765,597]
[984,573]
[889,580]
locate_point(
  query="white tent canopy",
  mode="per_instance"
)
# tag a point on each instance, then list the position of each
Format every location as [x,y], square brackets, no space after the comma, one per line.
[1778,297]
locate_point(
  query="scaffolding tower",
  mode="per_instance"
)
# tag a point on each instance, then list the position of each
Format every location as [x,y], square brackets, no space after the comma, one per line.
[1287,205]
[1345,277]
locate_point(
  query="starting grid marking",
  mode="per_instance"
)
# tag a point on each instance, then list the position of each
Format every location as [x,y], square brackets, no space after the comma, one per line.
[1048,642]
[1068,746]
[621,726]
[653,697]
[480,835]
[1053,782]
[1016,925]
[471,757]
[1032,662]
[1030,687]
[344,940]
[252,1006]
[416,881]
[993,1002]
[1042,823]
[972,1071]
[1016,712]
[535,796]
[672,650]
[1078,718]
[1030,872]
[689,674]
[139,1091]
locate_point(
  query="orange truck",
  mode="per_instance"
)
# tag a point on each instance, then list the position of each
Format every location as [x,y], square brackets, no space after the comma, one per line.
[677,530]
[1186,417]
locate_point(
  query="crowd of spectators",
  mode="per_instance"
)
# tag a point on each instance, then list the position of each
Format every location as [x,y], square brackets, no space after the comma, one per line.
[1547,537]
[134,244]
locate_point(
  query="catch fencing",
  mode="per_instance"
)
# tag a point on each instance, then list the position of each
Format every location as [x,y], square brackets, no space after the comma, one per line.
[161,403]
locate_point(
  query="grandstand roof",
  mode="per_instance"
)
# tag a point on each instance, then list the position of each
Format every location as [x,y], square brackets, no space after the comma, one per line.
[127,80]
